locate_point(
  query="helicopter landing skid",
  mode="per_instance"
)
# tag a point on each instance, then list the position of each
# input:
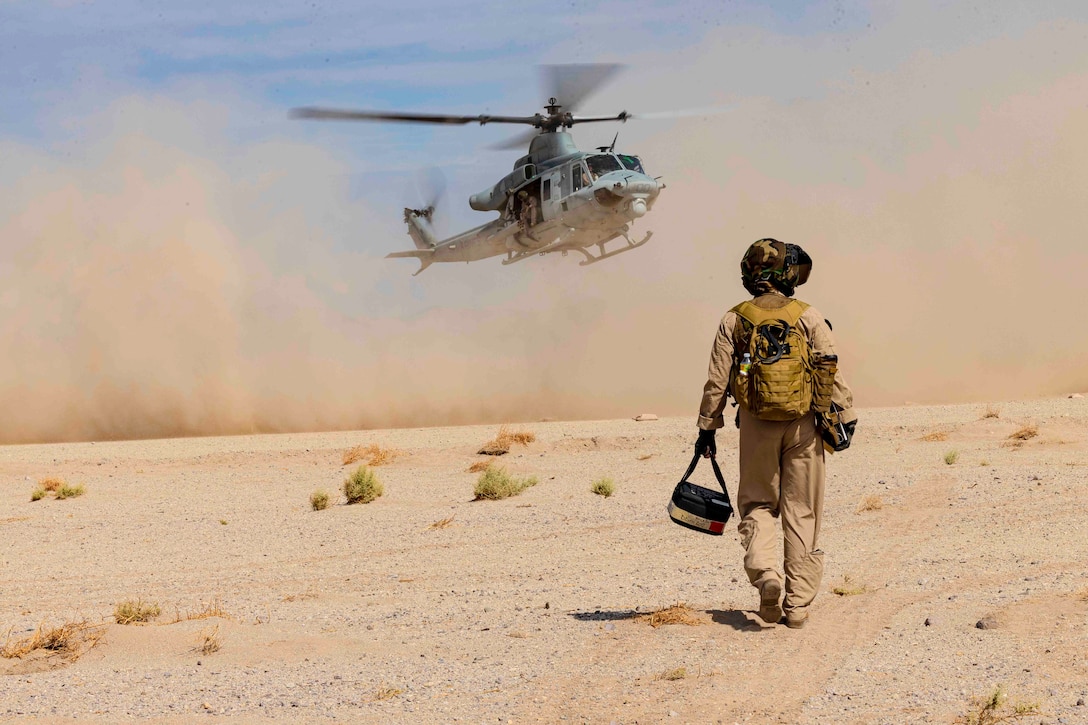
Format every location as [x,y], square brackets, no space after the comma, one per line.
[590,259]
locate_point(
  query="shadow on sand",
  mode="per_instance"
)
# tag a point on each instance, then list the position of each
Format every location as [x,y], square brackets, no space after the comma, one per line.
[604,615]
[738,619]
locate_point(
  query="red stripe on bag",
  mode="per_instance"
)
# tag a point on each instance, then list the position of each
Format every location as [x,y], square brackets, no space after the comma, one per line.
[717,526]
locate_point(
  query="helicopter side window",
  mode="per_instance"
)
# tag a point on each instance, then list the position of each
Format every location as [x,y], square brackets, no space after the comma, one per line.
[579,176]
[632,163]
[602,164]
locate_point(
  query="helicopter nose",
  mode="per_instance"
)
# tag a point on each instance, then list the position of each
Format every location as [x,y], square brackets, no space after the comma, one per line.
[636,185]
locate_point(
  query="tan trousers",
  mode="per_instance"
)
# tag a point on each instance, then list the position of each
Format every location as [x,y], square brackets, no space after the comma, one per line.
[782,472]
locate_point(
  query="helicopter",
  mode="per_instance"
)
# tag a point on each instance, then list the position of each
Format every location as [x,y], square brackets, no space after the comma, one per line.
[556,199]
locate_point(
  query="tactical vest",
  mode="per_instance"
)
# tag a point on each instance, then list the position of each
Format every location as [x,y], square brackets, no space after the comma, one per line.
[779,383]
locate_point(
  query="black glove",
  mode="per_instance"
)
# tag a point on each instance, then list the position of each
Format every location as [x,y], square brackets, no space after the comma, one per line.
[705,445]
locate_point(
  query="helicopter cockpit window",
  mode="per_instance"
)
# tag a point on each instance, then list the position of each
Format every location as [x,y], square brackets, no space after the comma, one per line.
[632,163]
[602,164]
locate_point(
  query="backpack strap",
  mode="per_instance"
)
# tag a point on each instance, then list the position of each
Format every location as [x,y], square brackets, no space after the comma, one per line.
[754,315]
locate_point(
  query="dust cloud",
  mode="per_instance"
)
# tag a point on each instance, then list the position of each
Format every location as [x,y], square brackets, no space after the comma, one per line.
[159,279]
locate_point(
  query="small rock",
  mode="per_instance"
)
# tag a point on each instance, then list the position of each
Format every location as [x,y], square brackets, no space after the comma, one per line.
[673,713]
[609,627]
[645,416]
[1080,702]
[930,621]
[987,622]
[1074,396]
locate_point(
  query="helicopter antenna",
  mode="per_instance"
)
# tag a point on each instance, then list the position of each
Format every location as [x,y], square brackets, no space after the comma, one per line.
[612,148]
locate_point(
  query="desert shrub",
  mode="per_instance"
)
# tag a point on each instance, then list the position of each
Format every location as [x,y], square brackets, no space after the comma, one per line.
[387,692]
[504,439]
[935,436]
[208,641]
[479,466]
[603,487]
[870,503]
[677,674]
[362,486]
[951,457]
[58,487]
[994,708]
[319,500]
[68,641]
[373,455]
[495,483]
[51,484]
[991,412]
[849,587]
[441,523]
[208,610]
[1026,433]
[69,491]
[135,612]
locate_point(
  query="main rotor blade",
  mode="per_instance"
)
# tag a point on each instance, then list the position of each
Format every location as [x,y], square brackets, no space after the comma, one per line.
[622,117]
[571,83]
[686,113]
[336,114]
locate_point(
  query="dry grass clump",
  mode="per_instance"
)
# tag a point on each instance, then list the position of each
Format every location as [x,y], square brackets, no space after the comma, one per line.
[849,587]
[68,641]
[362,486]
[58,487]
[678,613]
[373,455]
[870,503]
[70,491]
[603,487]
[1026,433]
[504,440]
[495,483]
[208,641]
[207,610]
[441,524]
[672,675]
[134,611]
[386,692]
[51,484]
[479,466]
[645,457]
[935,436]
[319,500]
[951,457]
[991,412]
[994,709]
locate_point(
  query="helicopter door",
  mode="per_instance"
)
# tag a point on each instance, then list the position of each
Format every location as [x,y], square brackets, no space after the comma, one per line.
[549,195]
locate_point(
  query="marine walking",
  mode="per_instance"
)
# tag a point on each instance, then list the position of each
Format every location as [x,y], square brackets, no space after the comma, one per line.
[776,356]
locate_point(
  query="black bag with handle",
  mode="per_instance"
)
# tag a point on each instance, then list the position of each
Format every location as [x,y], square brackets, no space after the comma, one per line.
[698,508]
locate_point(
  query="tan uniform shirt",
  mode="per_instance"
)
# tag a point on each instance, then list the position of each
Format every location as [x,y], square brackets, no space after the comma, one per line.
[820,339]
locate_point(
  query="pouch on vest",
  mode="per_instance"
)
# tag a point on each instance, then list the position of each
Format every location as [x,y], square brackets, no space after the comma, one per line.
[824,368]
[779,383]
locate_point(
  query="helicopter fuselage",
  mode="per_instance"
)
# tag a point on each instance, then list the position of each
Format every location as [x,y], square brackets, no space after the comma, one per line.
[557,199]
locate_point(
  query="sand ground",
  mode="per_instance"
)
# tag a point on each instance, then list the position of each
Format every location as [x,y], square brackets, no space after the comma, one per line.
[526,610]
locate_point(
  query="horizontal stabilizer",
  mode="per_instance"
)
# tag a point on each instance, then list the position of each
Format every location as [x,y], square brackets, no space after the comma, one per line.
[425,257]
